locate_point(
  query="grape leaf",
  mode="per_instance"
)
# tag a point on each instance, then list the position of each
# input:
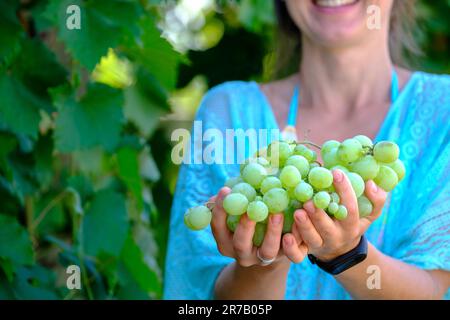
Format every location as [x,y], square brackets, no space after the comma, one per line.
[19,108]
[155,53]
[102,26]
[95,120]
[34,283]
[10,28]
[15,245]
[127,160]
[105,225]
[38,69]
[134,262]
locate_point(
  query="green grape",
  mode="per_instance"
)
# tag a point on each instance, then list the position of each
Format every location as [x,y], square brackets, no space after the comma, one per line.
[258,198]
[399,168]
[357,183]
[367,167]
[300,149]
[261,153]
[330,189]
[350,150]
[257,211]
[335,197]
[277,200]
[270,183]
[333,207]
[247,190]
[231,182]
[260,232]
[331,159]
[386,151]
[364,140]
[263,161]
[386,178]
[321,199]
[186,221]
[254,174]
[295,204]
[304,151]
[288,220]
[339,167]
[303,192]
[320,178]
[328,146]
[300,162]
[313,156]
[290,176]
[232,222]
[341,213]
[260,160]
[365,207]
[279,152]
[235,204]
[313,165]
[198,217]
[291,193]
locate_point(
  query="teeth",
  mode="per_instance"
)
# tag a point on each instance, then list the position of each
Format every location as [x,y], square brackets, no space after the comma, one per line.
[333,3]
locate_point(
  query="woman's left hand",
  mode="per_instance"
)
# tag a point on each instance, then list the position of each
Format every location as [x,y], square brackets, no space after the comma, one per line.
[328,238]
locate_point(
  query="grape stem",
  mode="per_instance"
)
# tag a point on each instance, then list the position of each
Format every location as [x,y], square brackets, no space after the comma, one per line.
[315,161]
[310,144]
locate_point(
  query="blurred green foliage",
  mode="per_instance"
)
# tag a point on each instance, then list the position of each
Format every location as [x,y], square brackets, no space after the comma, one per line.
[85,120]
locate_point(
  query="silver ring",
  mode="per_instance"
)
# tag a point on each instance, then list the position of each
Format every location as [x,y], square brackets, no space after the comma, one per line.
[264,262]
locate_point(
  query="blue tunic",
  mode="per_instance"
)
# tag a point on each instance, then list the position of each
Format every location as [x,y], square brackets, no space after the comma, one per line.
[414,226]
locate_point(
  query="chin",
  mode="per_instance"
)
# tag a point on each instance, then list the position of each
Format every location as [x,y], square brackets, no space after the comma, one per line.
[332,22]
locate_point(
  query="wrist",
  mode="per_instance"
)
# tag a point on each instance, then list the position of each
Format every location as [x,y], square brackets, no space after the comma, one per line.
[345,261]
[342,250]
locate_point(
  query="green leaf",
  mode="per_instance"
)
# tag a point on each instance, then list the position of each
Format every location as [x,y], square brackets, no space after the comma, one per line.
[143,112]
[102,26]
[19,109]
[10,28]
[34,283]
[105,225]
[127,160]
[141,272]
[8,268]
[38,69]
[15,244]
[156,54]
[95,120]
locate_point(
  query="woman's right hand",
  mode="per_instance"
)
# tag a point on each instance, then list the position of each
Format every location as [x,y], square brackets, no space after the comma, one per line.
[239,245]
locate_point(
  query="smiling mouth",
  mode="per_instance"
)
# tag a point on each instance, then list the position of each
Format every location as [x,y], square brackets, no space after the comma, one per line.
[333,3]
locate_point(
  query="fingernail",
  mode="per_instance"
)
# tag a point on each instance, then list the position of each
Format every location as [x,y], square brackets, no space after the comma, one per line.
[309,206]
[338,176]
[374,187]
[276,219]
[300,216]
[288,241]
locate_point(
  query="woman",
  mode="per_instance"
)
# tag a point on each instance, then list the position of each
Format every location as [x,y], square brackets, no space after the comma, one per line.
[348,80]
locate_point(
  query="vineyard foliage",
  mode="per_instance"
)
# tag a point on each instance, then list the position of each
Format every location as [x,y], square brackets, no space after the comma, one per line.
[77,109]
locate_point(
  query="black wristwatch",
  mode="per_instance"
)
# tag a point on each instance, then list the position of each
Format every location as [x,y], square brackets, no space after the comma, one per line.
[345,261]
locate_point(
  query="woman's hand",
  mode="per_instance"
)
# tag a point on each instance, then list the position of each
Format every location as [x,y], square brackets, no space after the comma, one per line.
[327,238]
[239,245]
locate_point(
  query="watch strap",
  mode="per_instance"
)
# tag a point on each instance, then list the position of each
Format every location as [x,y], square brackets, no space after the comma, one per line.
[345,261]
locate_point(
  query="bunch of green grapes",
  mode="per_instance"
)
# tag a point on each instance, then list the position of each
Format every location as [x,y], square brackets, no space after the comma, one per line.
[285,175]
